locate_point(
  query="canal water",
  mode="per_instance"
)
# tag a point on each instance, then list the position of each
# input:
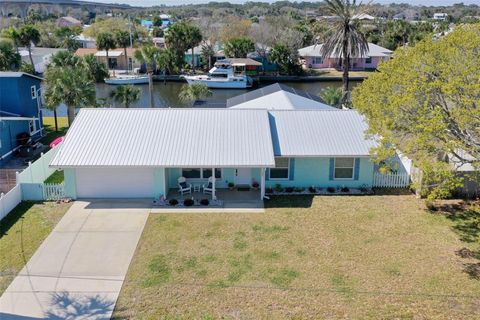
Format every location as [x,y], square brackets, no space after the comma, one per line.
[166,95]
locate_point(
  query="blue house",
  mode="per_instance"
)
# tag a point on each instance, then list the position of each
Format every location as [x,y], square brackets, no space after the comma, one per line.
[20,103]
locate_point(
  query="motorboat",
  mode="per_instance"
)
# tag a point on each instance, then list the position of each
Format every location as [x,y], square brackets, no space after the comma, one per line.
[221,76]
[127,79]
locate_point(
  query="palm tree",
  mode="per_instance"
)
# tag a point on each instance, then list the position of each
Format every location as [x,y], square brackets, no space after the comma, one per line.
[105,41]
[74,87]
[347,40]
[12,34]
[332,96]
[26,36]
[148,55]
[9,59]
[194,37]
[126,95]
[122,38]
[194,92]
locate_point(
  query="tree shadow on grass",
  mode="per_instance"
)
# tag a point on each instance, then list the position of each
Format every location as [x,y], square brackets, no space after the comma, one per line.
[303,201]
[79,306]
[466,224]
[14,216]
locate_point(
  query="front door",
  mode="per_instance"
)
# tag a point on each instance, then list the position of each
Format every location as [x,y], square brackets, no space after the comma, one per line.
[243,176]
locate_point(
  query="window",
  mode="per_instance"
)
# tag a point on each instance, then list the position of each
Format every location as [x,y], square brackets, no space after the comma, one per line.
[31,126]
[344,168]
[368,60]
[197,173]
[33,91]
[317,60]
[281,169]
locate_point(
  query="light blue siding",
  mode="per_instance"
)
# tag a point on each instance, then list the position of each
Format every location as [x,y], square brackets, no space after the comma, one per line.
[318,172]
[159,182]
[70,183]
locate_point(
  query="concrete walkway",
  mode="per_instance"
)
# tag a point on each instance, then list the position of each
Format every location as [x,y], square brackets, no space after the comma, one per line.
[78,271]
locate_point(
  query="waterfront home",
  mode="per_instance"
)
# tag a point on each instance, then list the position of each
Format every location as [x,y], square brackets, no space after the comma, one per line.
[143,153]
[20,113]
[68,21]
[197,54]
[86,42]
[41,57]
[440,16]
[277,97]
[116,57]
[313,59]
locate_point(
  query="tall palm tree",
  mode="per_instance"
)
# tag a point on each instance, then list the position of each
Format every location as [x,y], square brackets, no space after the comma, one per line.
[122,39]
[12,34]
[148,55]
[347,40]
[194,37]
[193,92]
[74,87]
[126,95]
[26,36]
[105,41]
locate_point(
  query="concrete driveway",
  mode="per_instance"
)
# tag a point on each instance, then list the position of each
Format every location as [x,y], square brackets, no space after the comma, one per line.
[78,271]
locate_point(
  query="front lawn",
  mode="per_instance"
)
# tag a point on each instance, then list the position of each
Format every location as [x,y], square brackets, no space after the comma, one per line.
[308,257]
[21,233]
[56,177]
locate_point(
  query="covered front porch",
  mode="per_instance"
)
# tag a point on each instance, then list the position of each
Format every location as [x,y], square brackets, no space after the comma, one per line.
[227,198]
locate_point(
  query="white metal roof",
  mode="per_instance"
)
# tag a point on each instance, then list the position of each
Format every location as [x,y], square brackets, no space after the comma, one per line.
[311,133]
[167,138]
[373,51]
[277,97]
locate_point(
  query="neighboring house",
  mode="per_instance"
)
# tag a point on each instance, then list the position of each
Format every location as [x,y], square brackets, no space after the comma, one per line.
[364,17]
[86,42]
[277,97]
[68,22]
[144,151]
[314,60]
[20,103]
[116,58]
[147,23]
[41,57]
[197,52]
[159,42]
[440,16]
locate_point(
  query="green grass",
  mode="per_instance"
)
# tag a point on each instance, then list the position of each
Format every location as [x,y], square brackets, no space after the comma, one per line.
[308,257]
[56,177]
[21,233]
[50,133]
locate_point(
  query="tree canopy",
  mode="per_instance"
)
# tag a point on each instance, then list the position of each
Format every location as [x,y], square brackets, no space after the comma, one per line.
[425,102]
[239,47]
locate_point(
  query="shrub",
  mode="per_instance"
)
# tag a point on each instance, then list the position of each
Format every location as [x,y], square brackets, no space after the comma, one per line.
[278,188]
[255,184]
[231,185]
[173,202]
[364,188]
[312,189]
[331,189]
[345,189]
[204,202]
[289,189]
[298,189]
[188,202]
[268,190]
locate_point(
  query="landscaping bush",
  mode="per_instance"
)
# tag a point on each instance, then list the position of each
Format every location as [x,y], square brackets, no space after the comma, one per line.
[364,188]
[289,189]
[345,189]
[204,202]
[312,189]
[331,189]
[278,188]
[188,202]
[268,190]
[173,202]
[299,189]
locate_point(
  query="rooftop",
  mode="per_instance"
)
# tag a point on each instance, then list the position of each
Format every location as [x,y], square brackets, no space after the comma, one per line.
[373,51]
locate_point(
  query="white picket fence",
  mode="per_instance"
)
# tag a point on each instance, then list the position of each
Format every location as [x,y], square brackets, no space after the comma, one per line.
[10,200]
[53,191]
[391,180]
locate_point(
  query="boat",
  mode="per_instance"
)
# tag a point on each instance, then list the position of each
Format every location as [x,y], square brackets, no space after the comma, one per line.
[221,76]
[127,79]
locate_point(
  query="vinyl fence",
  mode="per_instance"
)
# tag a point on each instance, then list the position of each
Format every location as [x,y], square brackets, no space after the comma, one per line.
[391,180]
[39,170]
[10,200]
[53,191]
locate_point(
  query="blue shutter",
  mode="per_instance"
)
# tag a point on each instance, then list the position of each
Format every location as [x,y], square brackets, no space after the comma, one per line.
[291,169]
[357,169]
[332,168]
[267,174]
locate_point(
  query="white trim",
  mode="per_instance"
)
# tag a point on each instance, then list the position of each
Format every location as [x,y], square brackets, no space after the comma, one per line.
[33,92]
[335,166]
[202,178]
[288,171]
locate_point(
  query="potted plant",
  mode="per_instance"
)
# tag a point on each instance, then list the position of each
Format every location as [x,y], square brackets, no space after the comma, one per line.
[173,202]
[255,185]
[204,202]
[188,202]
[231,185]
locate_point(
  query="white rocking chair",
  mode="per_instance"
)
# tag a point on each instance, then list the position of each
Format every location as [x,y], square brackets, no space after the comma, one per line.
[208,187]
[183,187]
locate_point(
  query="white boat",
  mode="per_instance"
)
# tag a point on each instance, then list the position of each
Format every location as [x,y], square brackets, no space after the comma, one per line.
[127,79]
[221,76]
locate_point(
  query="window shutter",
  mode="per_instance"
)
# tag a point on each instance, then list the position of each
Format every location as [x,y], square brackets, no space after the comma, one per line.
[267,174]
[332,168]
[357,169]
[291,169]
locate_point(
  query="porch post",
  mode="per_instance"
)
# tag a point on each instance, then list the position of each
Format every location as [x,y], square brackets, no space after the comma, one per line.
[214,197]
[262,183]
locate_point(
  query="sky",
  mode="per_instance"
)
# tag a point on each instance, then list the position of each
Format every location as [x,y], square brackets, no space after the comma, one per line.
[147,3]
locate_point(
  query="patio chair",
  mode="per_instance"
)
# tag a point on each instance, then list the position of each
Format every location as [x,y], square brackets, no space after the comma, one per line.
[183,187]
[208,187]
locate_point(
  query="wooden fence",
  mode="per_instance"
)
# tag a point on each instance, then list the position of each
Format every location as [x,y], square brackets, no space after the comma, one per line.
[391,180]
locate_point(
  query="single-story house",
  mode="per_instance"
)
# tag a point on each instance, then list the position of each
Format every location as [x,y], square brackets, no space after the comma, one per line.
[116,57]
[197,55]
[141,153]
[278,97]
[440,16]
[68,22]
[313,58]
[41,57]
[86,42]
[20,105]
[364,17]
